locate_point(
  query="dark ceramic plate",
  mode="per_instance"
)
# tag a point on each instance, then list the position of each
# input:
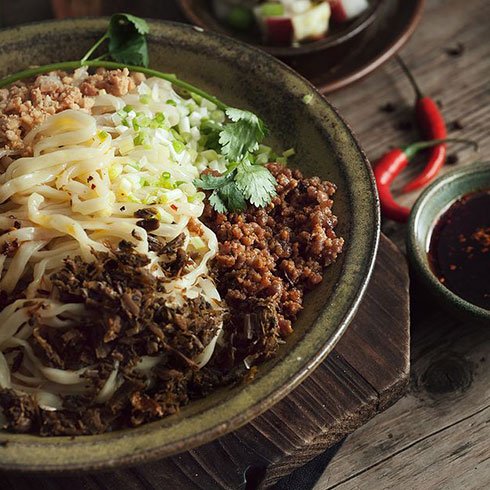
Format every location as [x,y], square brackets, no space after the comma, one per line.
[394,25]
[344,56]
[325,146]
[200,13]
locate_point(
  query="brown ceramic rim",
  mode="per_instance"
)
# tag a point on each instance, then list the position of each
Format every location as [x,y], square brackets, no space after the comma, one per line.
[30,453]
[329,41]
[381,58]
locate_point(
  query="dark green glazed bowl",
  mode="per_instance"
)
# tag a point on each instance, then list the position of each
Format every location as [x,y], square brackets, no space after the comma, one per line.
[429,207]
[248,78]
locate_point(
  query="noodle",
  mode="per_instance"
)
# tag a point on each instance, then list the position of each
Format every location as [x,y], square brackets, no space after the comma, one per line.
[77,195]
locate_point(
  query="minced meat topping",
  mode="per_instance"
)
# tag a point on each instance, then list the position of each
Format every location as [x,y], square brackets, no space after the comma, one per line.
[277,252]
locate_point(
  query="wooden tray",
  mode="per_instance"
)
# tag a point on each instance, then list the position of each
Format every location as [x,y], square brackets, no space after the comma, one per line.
[365,374]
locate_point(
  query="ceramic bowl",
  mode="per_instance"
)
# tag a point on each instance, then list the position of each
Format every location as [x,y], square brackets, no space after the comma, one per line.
[429,207]
[200,13]
[244,77]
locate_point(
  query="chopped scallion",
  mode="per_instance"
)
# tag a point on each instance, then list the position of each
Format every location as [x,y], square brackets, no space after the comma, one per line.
[179,147]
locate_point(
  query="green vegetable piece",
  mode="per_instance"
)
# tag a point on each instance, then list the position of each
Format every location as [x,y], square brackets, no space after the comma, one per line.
[141,121]
[103,135]
[217,203]
[127,108]
[272,9]
[210,182]
[179,147]
[177,135]
[307,99]
[165,181]
[211,132]
[127,39]
[158,121]
[240,18]
[139,139]
[227,197]
[256,183]
[243,135]
[171,102]
[196,98]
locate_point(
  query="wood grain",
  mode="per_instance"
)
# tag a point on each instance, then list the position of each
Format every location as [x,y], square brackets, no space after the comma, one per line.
[460,84]
[367,372]
[429,440]
[448,394]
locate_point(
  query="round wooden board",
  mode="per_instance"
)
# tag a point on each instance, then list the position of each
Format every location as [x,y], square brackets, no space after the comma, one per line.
[366,373]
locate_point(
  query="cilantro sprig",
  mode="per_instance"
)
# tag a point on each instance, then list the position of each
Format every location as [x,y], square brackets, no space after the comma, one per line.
[127,41]
[244,180]
[226,195]
[237,140]
[243,136]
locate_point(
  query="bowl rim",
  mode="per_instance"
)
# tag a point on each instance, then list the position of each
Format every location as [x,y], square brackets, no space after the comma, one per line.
[329,41]
[418,254]
[133,439]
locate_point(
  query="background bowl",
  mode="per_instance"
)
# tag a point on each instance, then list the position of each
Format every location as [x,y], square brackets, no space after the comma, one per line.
[429,207]
[200,13]
[248,78]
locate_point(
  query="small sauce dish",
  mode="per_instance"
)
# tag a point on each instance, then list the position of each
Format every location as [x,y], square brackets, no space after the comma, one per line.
[448,240]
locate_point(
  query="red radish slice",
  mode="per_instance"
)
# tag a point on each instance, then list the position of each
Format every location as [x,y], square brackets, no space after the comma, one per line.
[311,24]
[344,10]
[279,30]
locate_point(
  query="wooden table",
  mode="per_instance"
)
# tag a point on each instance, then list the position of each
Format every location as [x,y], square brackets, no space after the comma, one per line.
[437,436]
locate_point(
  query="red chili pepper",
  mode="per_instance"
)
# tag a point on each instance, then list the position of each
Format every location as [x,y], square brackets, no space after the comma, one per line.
[390,165]
[431,122]
[174,207]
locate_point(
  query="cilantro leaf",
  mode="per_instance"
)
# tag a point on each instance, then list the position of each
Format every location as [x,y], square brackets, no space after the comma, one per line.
[256,183]
[226,195]
[243,135]
[211,131]
[209,182]
[232,196]
[127,39]
[227,198]
[217,203]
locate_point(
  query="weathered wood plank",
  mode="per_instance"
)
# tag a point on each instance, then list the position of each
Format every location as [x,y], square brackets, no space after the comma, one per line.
[450,372]
[454,462]
[416,441]
[461,84]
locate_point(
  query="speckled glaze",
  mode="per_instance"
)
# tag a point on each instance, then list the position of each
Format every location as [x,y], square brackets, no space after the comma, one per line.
[431,204]
[241,76]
